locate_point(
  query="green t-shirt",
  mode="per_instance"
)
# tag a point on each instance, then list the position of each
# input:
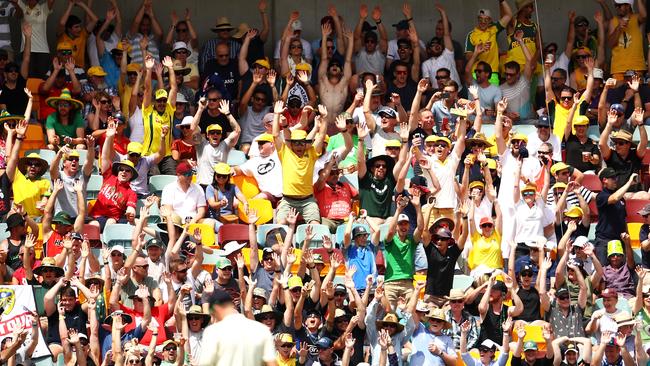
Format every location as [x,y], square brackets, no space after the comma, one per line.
[61,130]
[400,258]
[376,195]
[337,141]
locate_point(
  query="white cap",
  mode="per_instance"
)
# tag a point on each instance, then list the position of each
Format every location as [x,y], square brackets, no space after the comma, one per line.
[180,45]
[580,241]
[296,25]
[598,73]
[422,307]
[402,217]
[187,121]
[630,2]
[119,248]
[180,98]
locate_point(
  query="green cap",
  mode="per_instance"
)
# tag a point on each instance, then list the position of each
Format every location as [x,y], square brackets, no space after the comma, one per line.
[223,263]
[62,218]
[530,345]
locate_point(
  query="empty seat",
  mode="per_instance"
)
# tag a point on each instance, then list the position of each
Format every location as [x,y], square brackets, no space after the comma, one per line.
[632,207]
[158,182]
[236,157]
[592,183]
[236,232]
[318,232]
[94,185]
[117,234]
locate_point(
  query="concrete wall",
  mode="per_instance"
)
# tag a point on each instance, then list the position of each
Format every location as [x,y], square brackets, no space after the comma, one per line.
[552,14]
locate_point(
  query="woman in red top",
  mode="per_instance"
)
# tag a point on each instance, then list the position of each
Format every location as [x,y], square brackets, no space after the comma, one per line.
[116,200]
[183,148]
[120,141]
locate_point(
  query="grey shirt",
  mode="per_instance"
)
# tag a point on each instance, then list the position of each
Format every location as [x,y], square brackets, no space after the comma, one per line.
[66,200]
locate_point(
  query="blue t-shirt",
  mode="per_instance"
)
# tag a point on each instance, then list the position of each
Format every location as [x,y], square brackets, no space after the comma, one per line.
[112,69]
[363,258]
[229,194]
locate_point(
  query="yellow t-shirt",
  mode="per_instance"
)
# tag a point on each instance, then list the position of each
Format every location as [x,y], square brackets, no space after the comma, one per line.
[530,37]
[628,53]
[28,193]
[78,47]
[124,90]
[485,251]
[297,172]
[477,36]
[153,123]
[291,361]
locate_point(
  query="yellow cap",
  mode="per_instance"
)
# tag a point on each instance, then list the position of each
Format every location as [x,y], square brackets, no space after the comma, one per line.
[519,136]
[477,184]
[161,93]
[530,186]
[614,247]
[303,66]
[213,127]
[96,71]
[580,121]
[222,169]
[434,138]
[120,46]
[574,211]
[557,167]
[265,137]
[294,281]
[297,135]
[559,185]
[263,62]
[431,138]
[491,163]
[134,147]
[286,338]
[64,45]
[393,143]
[133,67]
[72,154]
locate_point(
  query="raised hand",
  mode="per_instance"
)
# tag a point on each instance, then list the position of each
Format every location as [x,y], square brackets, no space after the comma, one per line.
[327,243]
[634,83]
[362,130]
[502,105]
[349,341]
[149,62]
[363,11]
[473,91]
[292,216]
[637,116]
[278,107]
[251,213]
[376,14]
[340,122]
[322,110]
[271,76]
[326,30]
[465,327]
[252,33]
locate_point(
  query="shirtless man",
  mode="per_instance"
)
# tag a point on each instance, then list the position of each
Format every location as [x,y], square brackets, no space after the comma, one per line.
[332,79]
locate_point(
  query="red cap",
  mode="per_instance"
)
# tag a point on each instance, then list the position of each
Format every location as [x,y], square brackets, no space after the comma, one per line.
[183,168]
[609,292]
[486,220]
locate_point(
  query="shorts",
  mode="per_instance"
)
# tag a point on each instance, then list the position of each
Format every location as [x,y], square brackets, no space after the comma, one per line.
[398,288]
[307,207]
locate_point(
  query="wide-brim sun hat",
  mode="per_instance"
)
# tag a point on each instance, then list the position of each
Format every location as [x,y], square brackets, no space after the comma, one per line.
[33,157]
[64,97]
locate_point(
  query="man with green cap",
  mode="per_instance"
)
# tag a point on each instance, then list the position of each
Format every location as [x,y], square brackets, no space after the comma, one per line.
[530,348]
[619,272]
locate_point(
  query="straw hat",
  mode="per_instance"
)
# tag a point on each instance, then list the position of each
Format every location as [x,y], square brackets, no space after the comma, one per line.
[390,318]
[33,157]
[64,97]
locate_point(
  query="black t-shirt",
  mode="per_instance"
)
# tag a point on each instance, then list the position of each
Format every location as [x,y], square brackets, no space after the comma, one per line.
[440,271]
[624,168]
[611,217]
[207,120]
[227,75]
[516,361]
[574,149]
[406,93]
[492,326]
[247,80]
[76,319]
[14,260]
[15,99]
[617,95]
[530,299]
[5,194]
[303,335]
[643,236]
[358,334]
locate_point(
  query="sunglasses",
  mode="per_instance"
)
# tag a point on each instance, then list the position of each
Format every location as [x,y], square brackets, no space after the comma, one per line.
[486,226]
[528,193]
[229,269]
[456,301]
[161,100]
[66,52]
[440,77]
[566,98]
[646,295]
[191,318]
[214,132]
[286,345]
[267,317]
[222,176]
[526,274]
[181,30]
[380,166]
[73,159]
[563,297]
[543,152]
[296,289]
[169,348]
[553,78]
[223,56]
[621,143]
[131,74]
[581,57]
[299,143]
[214,99]
[184,52]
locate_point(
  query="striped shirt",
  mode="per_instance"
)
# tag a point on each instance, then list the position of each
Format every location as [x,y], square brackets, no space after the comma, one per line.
[571,199]
[6,11]
[136,52]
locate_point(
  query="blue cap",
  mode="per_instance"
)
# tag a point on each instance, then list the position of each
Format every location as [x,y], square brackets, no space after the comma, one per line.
[543,121]
[617,107]
[388,111]
[402,25]
[324,343]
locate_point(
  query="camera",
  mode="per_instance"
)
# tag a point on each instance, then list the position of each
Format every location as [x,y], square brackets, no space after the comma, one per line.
[523,152]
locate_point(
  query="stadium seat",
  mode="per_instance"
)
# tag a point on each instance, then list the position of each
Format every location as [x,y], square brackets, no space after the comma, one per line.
[340,231]
[93,234]
[528,130]
[262,230]
[33,84]
[247,185]
[208,238]
[353,179]
[638,256]
[383,230]
[117,234]
[594,133]
[318,231]
[229,232]
[632,207]
[462,282]
[94,185]
[34,139]
[154,212]
[236,157]
[263,207]
[158,182]
[622,304]
[4,234]
[636,137]
[593,211]
[592,232]
[592,183]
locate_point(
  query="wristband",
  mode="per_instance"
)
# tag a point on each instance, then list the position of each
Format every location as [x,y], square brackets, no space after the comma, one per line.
[312,267]
[20,137]
[409,19]
[378,22]
[154,334]
[285,288]
[277,271]
[405,141]
[229,114]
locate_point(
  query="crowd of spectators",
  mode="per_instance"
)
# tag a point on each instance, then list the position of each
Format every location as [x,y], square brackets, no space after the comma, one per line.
[375,196]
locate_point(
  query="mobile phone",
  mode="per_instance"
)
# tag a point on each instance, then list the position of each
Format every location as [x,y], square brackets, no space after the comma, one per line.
[444,95]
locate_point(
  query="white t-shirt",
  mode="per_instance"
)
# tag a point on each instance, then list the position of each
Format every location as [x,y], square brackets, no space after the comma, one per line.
[136,125]
[446,174]
[534,142]
[37,17]
[306,50]
[91,47]
[208,156]
[561,62]
[266,171]
[236,340]
[530,221]
[184,204]
[431,66]
[370,62]
[392,49]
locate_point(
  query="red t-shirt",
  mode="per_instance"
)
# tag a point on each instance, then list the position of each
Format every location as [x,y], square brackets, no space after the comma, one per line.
[335,203]
[160,313]
[19,274]
[54,244]
[113,198]
[186,151]
[120,143]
